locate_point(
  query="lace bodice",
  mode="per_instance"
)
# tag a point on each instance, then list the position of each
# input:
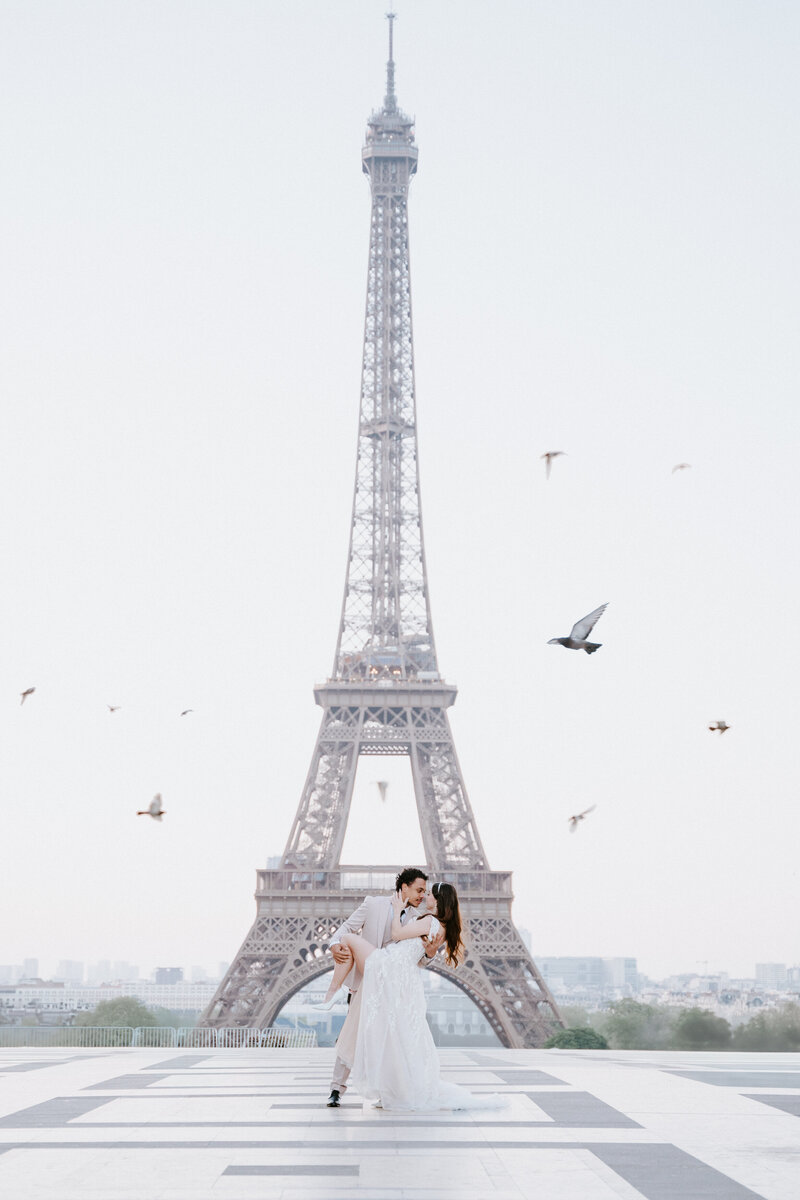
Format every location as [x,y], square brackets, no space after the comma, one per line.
[413,948]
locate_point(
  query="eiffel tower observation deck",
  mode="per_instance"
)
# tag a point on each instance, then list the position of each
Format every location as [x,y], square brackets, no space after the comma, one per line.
[385,695]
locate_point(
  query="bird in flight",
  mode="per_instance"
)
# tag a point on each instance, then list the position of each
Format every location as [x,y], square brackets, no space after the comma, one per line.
[681,467]
[155,810]
[382,785]
[186,710]
[26,693]
[575,821]
[718,726]
[113,707]
[580,631]
[548,460]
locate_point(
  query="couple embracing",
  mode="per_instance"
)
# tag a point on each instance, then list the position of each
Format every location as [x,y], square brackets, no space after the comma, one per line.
[385,1047]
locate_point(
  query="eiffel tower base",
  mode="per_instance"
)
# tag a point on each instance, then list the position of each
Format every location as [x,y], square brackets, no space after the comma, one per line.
[298,912]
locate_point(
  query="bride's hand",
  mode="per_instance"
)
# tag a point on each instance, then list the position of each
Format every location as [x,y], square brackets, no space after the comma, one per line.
[397,904]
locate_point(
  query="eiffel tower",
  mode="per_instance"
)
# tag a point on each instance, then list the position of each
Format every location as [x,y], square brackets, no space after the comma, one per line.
[385,695]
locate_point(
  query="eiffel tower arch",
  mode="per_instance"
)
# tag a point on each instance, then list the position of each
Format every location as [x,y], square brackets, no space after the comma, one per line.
[385,695]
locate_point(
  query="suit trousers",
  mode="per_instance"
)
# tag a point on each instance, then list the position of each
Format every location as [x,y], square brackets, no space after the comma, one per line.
[346,1044]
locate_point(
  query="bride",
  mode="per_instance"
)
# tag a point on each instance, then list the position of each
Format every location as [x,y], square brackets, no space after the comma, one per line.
[395,1061]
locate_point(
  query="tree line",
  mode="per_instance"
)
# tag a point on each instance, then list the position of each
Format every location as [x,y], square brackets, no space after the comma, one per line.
[632,1025]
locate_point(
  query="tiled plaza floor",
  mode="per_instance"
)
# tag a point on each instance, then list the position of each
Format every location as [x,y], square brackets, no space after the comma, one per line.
[236,1124]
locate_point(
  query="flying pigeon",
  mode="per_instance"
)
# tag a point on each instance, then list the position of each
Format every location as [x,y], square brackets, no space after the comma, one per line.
[681,467]
[186,710]
[574,821]
[26,693]
[382,787]
[548,459]
[718,726]
[580,631]
[155,810]
[113,707]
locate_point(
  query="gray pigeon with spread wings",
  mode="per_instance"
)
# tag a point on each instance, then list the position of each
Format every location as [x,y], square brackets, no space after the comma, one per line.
[580,631]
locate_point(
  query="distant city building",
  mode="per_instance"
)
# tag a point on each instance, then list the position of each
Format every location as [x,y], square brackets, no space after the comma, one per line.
[69,971]
[168,975]
[621,973]
[124,971]
[772,975]
[580,974]
[52,1002]
[525,934]
[99,972]
[30,968]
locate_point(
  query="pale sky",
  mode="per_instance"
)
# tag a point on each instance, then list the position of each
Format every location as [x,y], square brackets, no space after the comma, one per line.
[604,262]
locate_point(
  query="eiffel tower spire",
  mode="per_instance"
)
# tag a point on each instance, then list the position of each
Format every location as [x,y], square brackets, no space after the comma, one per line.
[385,695]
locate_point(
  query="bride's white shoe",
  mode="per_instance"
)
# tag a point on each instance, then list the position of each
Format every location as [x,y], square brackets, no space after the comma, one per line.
[327,1005]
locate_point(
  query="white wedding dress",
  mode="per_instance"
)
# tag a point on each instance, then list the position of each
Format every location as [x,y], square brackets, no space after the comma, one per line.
[395,1060]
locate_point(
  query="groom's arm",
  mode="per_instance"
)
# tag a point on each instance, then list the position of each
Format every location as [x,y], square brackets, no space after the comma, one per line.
[353,924]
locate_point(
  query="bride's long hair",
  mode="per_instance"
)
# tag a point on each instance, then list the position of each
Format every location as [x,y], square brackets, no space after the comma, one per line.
[448,913]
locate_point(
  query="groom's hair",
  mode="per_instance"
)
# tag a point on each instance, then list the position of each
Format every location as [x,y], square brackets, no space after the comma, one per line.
[408,875]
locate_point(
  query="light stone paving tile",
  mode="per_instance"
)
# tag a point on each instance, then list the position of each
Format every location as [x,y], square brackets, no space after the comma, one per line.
[461,1171]
[201,1108]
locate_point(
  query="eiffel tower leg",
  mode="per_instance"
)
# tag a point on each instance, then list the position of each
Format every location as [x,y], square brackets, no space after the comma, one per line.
[285,949]
[448,827]
[319,827]
[499,973]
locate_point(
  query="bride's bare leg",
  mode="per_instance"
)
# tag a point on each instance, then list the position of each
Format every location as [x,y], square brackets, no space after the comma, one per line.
[360,949]
[340,972]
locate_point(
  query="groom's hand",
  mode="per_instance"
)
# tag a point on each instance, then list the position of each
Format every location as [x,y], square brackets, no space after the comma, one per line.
[340,953]
[434,943]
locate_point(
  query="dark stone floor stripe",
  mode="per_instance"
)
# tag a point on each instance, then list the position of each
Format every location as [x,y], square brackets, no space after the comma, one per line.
[316,1143]
[293,1169]
[788,1104]
[125,1081]
[306,1107]
[576,1109]
[172,1064]
[385,1122]
[663,1172]
[52,1114]
[744,1079]
[527,1078]
[30,1066]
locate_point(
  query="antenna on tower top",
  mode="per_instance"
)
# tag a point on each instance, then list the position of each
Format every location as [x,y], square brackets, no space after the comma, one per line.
[390,100]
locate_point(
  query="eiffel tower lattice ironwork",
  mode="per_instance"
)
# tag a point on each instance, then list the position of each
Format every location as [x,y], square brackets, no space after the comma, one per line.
[385,695]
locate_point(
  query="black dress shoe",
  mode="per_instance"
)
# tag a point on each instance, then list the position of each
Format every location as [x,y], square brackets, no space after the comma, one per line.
[333,1099]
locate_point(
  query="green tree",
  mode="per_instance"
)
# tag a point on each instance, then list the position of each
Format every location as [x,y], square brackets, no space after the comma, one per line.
[124,1010]
[697,1029]
[176,1017]
[776,1029]
[576,1039]
[576,1017]
[631,1025]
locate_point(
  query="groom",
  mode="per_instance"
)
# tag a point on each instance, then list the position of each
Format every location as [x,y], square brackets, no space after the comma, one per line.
[373,919]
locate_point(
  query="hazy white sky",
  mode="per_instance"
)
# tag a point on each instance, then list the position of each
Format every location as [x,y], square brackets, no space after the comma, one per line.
[604,261]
